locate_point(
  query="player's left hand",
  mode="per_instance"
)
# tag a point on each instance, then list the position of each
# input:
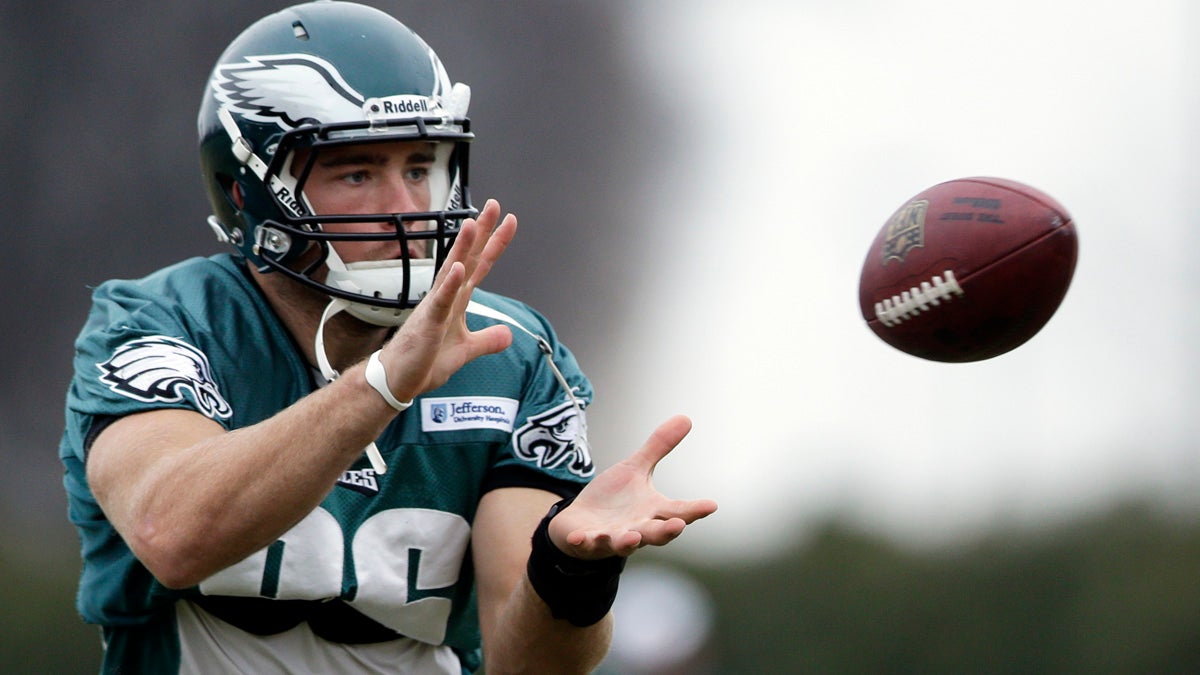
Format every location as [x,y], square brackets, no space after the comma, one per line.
[620,510]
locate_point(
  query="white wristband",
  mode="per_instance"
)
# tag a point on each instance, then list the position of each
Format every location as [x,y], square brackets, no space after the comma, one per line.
[377,378]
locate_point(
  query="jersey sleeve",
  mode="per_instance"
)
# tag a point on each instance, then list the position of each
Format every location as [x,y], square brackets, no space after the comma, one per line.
[548,445]
[135,354]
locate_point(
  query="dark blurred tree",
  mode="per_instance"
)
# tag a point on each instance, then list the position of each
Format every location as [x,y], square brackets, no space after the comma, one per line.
[1119,593]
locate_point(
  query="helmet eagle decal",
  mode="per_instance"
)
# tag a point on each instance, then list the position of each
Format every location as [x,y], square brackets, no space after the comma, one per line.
[286,89]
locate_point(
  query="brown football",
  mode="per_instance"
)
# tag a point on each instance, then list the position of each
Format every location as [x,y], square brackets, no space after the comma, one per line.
[968,269]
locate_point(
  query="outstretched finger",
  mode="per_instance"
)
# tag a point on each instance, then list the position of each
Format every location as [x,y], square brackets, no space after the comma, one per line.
[442,298]
[661,532]
[592,544]
[467,234]
[497,243]
[664,439]
[688,510]
[485,222]
[489,340]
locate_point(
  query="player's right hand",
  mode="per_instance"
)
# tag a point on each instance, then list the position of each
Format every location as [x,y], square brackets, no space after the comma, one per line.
[434,342]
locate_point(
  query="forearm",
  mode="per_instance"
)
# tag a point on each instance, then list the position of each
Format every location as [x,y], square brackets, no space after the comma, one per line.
[520,631]
[527,639]
[191,503]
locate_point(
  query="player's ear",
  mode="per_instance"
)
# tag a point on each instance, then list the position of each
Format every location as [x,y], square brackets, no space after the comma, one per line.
[235,193]
[232,191]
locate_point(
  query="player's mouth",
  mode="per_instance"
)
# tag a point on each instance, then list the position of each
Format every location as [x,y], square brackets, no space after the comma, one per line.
[417,249]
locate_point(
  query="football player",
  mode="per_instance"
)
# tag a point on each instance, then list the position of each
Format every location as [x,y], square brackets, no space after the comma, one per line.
[327,449]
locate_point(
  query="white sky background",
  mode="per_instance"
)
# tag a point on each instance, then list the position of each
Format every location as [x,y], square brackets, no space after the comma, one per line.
[800,127]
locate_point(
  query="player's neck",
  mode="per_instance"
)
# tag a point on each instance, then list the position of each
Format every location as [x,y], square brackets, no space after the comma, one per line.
[347,340]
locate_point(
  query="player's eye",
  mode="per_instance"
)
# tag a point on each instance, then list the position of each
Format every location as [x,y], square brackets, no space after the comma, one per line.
[355,177]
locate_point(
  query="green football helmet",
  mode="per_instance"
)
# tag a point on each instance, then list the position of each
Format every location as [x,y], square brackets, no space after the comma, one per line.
[313,77]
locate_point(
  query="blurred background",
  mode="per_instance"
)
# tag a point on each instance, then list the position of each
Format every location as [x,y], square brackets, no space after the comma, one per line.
[697,183]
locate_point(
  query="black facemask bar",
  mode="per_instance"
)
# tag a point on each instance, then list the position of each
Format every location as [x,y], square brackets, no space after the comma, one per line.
[282,243]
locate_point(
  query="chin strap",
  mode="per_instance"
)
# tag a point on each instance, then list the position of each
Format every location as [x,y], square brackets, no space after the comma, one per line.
[331,310]
[336,306]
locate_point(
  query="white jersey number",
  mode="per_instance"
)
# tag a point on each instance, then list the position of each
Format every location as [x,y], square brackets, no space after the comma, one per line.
[404,560]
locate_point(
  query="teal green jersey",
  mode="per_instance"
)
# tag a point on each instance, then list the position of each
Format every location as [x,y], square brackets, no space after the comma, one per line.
[385,558]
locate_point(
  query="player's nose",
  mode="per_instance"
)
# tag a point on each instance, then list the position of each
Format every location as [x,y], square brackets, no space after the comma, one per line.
[399,196]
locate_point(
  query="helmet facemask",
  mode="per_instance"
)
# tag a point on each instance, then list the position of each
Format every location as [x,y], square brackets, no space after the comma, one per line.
[301,246]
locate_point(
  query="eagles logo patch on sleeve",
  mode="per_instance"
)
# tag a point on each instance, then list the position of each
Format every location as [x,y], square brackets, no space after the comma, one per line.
[548,440]
[164,369]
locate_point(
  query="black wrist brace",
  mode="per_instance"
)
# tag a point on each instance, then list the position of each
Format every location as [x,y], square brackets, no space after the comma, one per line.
[580,591]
